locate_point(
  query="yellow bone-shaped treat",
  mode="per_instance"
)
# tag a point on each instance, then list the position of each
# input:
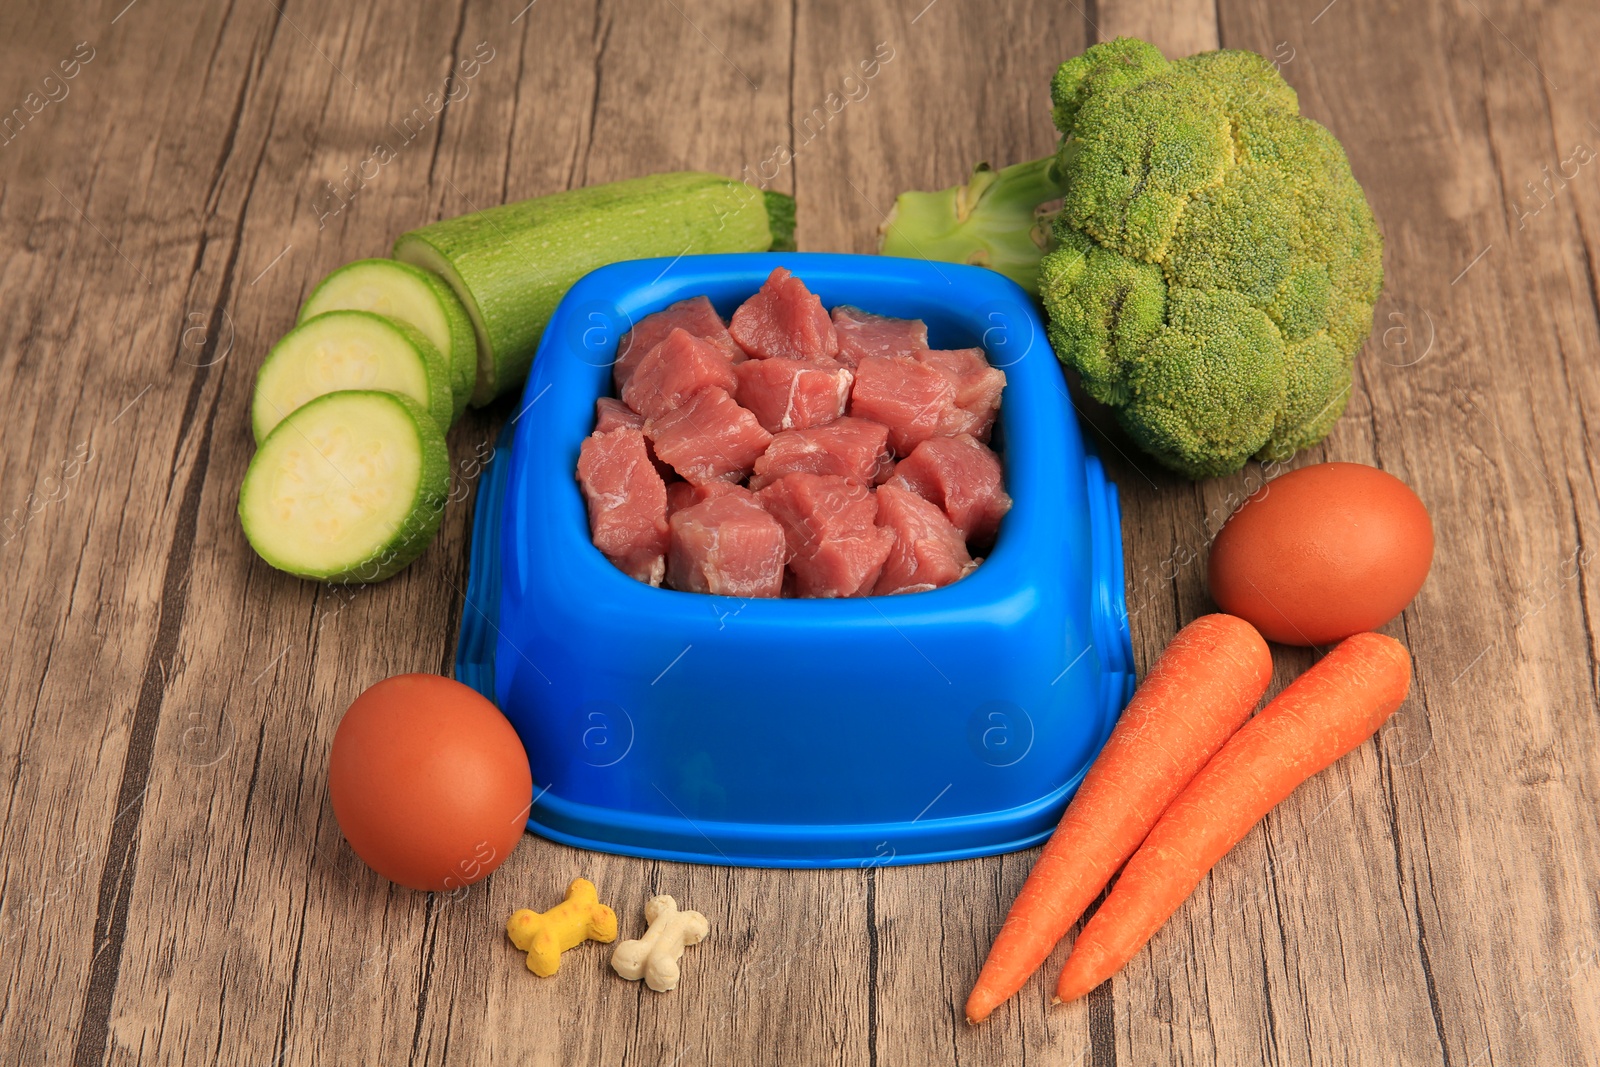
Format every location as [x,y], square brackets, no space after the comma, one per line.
[654,957]
[579,918]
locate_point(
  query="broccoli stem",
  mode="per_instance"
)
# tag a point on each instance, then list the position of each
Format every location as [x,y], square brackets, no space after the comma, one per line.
[1000,219]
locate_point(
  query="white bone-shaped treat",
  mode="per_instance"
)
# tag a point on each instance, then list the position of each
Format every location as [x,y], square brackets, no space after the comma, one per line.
[654,957]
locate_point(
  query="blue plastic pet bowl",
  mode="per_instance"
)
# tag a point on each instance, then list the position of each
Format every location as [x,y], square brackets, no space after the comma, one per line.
[800,733]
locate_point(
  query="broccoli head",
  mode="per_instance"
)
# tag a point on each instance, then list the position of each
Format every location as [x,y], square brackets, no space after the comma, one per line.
[1211,265]
[1216,262]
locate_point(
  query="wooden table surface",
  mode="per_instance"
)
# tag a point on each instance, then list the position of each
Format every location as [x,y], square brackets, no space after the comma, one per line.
[174,887]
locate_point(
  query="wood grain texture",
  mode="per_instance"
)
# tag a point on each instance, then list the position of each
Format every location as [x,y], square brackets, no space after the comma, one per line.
[173,888]
[1177,27]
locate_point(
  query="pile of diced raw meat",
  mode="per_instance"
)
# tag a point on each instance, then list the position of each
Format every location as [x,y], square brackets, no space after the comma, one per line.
[793,453]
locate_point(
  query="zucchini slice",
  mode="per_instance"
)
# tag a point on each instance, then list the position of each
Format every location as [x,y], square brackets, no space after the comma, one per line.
[411,295]
[512,264]
[349,488]
[349,350]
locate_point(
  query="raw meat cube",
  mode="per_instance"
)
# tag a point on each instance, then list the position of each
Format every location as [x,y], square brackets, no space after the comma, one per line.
[793,394]
[928,551]
[627,503]
[727,545]
[978,387]
[710,438]
[673,371]
[836,547]
[856,449]
[962,477]
[696,315]
[784,319]
[909,397]
[612,414]
[863,334]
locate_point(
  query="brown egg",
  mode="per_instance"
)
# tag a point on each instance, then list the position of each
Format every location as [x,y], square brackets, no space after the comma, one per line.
[429,782]
[1322,553]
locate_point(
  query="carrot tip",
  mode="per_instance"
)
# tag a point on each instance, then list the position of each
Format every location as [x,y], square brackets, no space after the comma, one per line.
[1075,986]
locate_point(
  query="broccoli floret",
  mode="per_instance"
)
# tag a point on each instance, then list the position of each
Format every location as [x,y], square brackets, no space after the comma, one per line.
[1205,169]
[1215,263]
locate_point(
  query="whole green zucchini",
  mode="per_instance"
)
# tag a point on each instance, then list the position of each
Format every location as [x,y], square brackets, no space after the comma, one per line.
[512,264]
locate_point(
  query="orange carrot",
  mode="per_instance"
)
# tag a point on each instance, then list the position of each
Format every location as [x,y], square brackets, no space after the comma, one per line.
[1206,682]
[1324,713]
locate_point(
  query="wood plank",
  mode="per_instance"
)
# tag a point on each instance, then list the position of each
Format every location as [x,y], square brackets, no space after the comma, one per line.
[172,885]
[97,359]
[936,103]
[1178,27]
